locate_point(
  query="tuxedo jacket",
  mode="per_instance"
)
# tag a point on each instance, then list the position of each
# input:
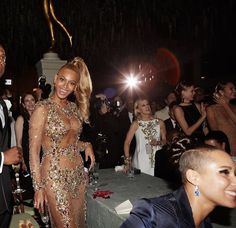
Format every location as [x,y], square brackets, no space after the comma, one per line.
[169,211]
[5,179]
[169,125]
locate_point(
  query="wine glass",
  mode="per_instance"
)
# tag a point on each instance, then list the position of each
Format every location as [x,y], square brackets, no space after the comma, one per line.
[95,175]
[131,171]
[16,169]
[45,215]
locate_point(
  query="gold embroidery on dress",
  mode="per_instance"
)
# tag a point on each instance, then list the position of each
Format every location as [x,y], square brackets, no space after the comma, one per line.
[149,130]
[61,168]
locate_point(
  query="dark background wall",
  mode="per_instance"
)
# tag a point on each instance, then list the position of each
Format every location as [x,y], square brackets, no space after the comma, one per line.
[111,35]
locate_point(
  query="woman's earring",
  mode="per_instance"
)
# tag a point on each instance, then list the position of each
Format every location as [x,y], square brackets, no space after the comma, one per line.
[196,191]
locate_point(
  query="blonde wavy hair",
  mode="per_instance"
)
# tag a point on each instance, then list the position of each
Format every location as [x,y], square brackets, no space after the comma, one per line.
[136,104]
[84,86]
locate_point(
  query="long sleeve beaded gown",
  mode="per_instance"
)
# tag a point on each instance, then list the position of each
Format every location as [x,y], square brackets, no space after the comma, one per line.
[61,171]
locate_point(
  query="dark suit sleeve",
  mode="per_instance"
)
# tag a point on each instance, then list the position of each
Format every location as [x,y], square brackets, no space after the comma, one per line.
[158,212]
[141,216]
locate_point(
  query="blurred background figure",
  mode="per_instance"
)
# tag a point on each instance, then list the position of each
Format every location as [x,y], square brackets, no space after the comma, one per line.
[167,159]
[199,95]
[171,123]
[8,98]
[38,93]
[190,116]
[104,133]
[130,107]
[163,114]
[27,106]
[218,139]
[153,107]
[222,115]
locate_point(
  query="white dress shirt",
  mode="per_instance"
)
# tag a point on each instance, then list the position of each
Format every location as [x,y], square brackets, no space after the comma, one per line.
[8,104]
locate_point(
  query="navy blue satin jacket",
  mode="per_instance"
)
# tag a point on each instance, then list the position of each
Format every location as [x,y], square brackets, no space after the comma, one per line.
[168,211]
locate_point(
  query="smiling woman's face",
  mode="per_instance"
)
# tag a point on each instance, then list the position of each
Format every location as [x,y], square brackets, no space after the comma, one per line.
[65,82]
[229,91]
[217,181]
[29,103]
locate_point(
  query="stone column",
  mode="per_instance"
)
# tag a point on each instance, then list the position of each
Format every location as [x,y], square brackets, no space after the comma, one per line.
[49,65]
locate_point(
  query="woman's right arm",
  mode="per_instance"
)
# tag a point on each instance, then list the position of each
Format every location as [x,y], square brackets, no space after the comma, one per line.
[188,130]
[133,128]
[36,128]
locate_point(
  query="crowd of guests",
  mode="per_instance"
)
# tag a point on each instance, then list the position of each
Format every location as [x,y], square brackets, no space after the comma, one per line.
[169,143]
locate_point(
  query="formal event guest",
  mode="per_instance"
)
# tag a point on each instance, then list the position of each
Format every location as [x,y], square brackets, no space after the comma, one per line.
[123,120]
[167,160]
[189,115]
[218,139]
[190,205]
[7,157]
[153,106]
[222,115]
[171,123]
[9,101]
[150,135]
[130,107]
[22,140]
[105,134]
[163,114]
[59,179]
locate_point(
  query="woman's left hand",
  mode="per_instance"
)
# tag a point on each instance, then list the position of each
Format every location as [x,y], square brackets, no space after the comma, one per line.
[89,154]
[219,99]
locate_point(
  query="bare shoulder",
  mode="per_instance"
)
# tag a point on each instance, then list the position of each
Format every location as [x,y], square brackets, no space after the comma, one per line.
[20,119]
[160,120]
[178,109]
[211,107]
[134,125]
[40,111]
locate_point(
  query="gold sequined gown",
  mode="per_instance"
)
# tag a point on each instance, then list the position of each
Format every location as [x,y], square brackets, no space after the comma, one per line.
[61,171]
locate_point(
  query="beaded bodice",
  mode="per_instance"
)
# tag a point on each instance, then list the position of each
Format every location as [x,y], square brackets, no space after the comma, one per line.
[57,130]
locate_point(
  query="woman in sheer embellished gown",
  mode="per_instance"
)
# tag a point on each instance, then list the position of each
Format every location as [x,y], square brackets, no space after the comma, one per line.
[59,179]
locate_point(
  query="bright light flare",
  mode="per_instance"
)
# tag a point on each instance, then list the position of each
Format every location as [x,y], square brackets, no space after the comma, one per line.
[131,81]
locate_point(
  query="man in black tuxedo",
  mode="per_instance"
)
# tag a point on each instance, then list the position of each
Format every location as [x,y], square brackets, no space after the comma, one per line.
[7,156]
[171,122]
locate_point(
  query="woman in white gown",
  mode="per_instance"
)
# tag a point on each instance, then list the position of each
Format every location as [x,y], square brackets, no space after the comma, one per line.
[150,135]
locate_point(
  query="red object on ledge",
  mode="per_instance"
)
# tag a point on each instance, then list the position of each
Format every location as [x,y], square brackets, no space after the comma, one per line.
[103,194]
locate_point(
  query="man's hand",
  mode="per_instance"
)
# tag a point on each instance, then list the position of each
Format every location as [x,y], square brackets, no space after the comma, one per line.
[12,156]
